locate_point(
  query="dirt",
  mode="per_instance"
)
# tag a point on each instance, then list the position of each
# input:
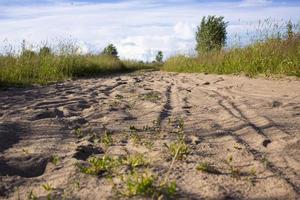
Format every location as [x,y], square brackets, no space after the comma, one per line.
[251,125]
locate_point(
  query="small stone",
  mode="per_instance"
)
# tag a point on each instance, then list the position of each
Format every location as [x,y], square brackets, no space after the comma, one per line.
[266,142]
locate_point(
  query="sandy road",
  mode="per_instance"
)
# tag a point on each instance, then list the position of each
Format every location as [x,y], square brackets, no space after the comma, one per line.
[256,122]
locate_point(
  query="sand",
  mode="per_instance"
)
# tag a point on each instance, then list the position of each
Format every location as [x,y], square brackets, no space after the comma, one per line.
[255,122]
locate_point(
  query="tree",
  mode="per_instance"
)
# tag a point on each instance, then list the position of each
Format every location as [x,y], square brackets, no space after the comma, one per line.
[159,56]
[44,51]
[211,34]
[110,50]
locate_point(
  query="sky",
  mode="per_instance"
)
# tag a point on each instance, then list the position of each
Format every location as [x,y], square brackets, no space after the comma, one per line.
[138,28]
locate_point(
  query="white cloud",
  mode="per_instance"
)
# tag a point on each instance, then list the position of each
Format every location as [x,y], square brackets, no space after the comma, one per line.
[138,28]
[255,3]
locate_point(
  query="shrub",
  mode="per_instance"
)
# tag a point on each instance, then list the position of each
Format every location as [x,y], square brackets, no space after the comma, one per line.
[211,34]
[110,50]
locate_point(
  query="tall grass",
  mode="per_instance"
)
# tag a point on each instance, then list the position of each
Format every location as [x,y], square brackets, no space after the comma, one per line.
[274,56]
[30,67]
[269,54]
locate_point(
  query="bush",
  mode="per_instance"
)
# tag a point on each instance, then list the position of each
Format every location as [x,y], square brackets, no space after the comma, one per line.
[110,50]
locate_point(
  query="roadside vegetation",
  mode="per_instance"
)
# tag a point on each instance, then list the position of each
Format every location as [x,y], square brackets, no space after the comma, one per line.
[47,65]
[274,51]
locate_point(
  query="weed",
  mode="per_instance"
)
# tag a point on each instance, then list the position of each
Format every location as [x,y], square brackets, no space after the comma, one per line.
[79,133]
[135,160]
[47,187]
[237,147]
[25,151]
[32,196]
[55,160]
[145,184]
[141,184]
[132,128]
[98,166]
[207,167]
[136,139]
[148,144]
[265,161]
[118,96]
[152,96]
[178,149]
[107,140]
[235,173]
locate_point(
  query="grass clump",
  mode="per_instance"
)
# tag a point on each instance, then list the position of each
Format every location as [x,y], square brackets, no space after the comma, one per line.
[98,166]
[55,160]
[107,140]
[178,149]
[135,160]
[145,184]
[207,167]
[150,96]
[235,172]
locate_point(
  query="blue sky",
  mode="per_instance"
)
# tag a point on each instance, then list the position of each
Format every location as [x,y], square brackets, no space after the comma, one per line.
[139,28]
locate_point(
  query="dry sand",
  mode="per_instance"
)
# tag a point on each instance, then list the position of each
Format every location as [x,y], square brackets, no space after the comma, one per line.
[254,121]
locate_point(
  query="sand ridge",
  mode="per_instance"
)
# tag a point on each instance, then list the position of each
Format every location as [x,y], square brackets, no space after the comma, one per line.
[256,122]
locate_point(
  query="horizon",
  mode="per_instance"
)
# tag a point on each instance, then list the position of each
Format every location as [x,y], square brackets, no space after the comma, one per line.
[137,28]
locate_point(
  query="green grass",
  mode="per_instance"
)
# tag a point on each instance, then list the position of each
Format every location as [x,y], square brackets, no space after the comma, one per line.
[145,184]
[275,56]
[135,160]
[207,167]
[42,68]
[178,149]
[99,166]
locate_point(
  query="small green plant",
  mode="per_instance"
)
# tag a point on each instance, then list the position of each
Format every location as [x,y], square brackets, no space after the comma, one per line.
[178,149]
[98,166]
[136,139]
[79,133]
[25,151]
[235,172]
[139,184]
[265,161]
[32,196]
[118,96]
[132,128]
[148,144]
[55,159]
[135,160]
[152,96]
[107,140]
[47,187]
[145,184]
[207,167]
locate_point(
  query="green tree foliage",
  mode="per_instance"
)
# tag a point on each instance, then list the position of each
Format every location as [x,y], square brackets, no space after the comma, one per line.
[110,50]
[211,34]
[44,51]
[159,56]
